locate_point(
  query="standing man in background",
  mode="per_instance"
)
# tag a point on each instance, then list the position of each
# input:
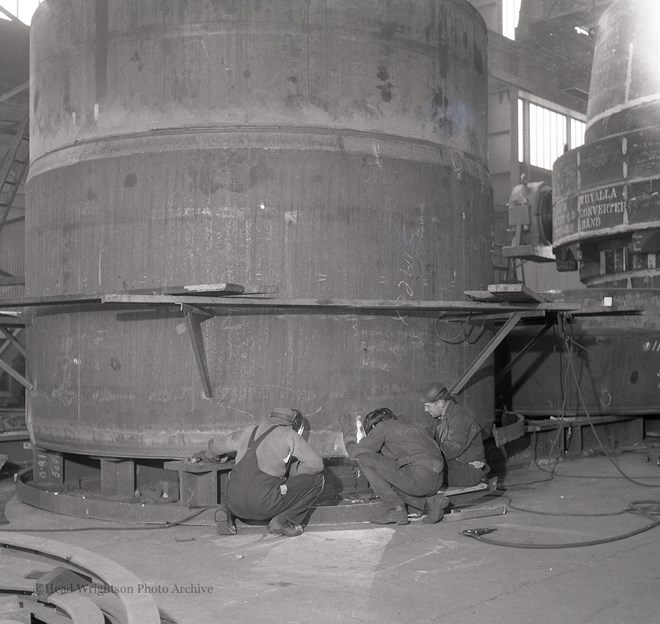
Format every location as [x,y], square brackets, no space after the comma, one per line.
[458,436]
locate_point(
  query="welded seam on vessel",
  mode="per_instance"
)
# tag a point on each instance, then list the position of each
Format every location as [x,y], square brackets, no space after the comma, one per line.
[260,137]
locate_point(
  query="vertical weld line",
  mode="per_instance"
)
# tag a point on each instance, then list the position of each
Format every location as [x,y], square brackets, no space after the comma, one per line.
[78,372]
[308,72]
[629,72]
[101,52]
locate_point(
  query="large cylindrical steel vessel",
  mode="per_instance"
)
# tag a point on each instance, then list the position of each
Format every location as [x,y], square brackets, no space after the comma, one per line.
[330,149]
[605,193]
[606,211]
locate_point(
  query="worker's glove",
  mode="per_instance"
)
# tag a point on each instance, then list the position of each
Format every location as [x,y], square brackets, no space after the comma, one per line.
[348,428]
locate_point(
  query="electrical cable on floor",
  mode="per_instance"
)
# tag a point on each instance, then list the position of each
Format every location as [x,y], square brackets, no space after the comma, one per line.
[150,526]
[567,476]
[635,507]
[510,505]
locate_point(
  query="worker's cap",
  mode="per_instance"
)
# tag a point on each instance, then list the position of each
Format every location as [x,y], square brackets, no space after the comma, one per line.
[435,392]
[284,415]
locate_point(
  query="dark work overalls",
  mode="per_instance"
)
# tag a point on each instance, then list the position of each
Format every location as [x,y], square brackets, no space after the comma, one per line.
[255,495]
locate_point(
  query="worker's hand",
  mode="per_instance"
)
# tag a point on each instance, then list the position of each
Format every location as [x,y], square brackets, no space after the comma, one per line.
[205,456]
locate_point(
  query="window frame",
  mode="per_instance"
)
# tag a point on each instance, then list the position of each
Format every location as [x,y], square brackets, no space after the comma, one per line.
[525,147]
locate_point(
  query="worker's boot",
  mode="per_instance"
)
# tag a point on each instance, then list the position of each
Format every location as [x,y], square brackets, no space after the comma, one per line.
[225,521]
[284,526]
[392,515]
[435,508]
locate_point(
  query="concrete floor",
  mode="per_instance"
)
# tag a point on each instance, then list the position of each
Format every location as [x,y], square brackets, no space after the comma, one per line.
[416,573]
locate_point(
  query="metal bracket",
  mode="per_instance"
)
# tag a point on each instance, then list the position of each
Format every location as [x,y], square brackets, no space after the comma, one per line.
[502,333]
[194,319]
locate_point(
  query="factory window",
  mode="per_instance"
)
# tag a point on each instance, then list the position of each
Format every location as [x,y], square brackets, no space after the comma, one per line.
[544,134]
[510,14]
[22,9]
[577,132]
[521,126]
[547,133]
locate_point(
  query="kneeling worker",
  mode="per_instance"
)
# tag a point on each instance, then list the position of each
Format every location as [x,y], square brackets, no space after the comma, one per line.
[402,464]
[458,436]
[264,484]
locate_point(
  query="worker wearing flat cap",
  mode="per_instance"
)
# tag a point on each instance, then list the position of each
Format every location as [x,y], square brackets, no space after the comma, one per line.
[458,435]
[402,464]
[266,483]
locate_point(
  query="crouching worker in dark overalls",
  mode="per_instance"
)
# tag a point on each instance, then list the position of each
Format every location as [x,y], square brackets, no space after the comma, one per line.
[402,463]
[266,483]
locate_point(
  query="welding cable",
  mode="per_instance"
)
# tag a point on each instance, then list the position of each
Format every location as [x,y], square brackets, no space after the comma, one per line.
[463,335]
[560,427]
[459,338]
[510,505]
[513,486]
[142,526]
[482,329]
[567,476]
[635,507]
